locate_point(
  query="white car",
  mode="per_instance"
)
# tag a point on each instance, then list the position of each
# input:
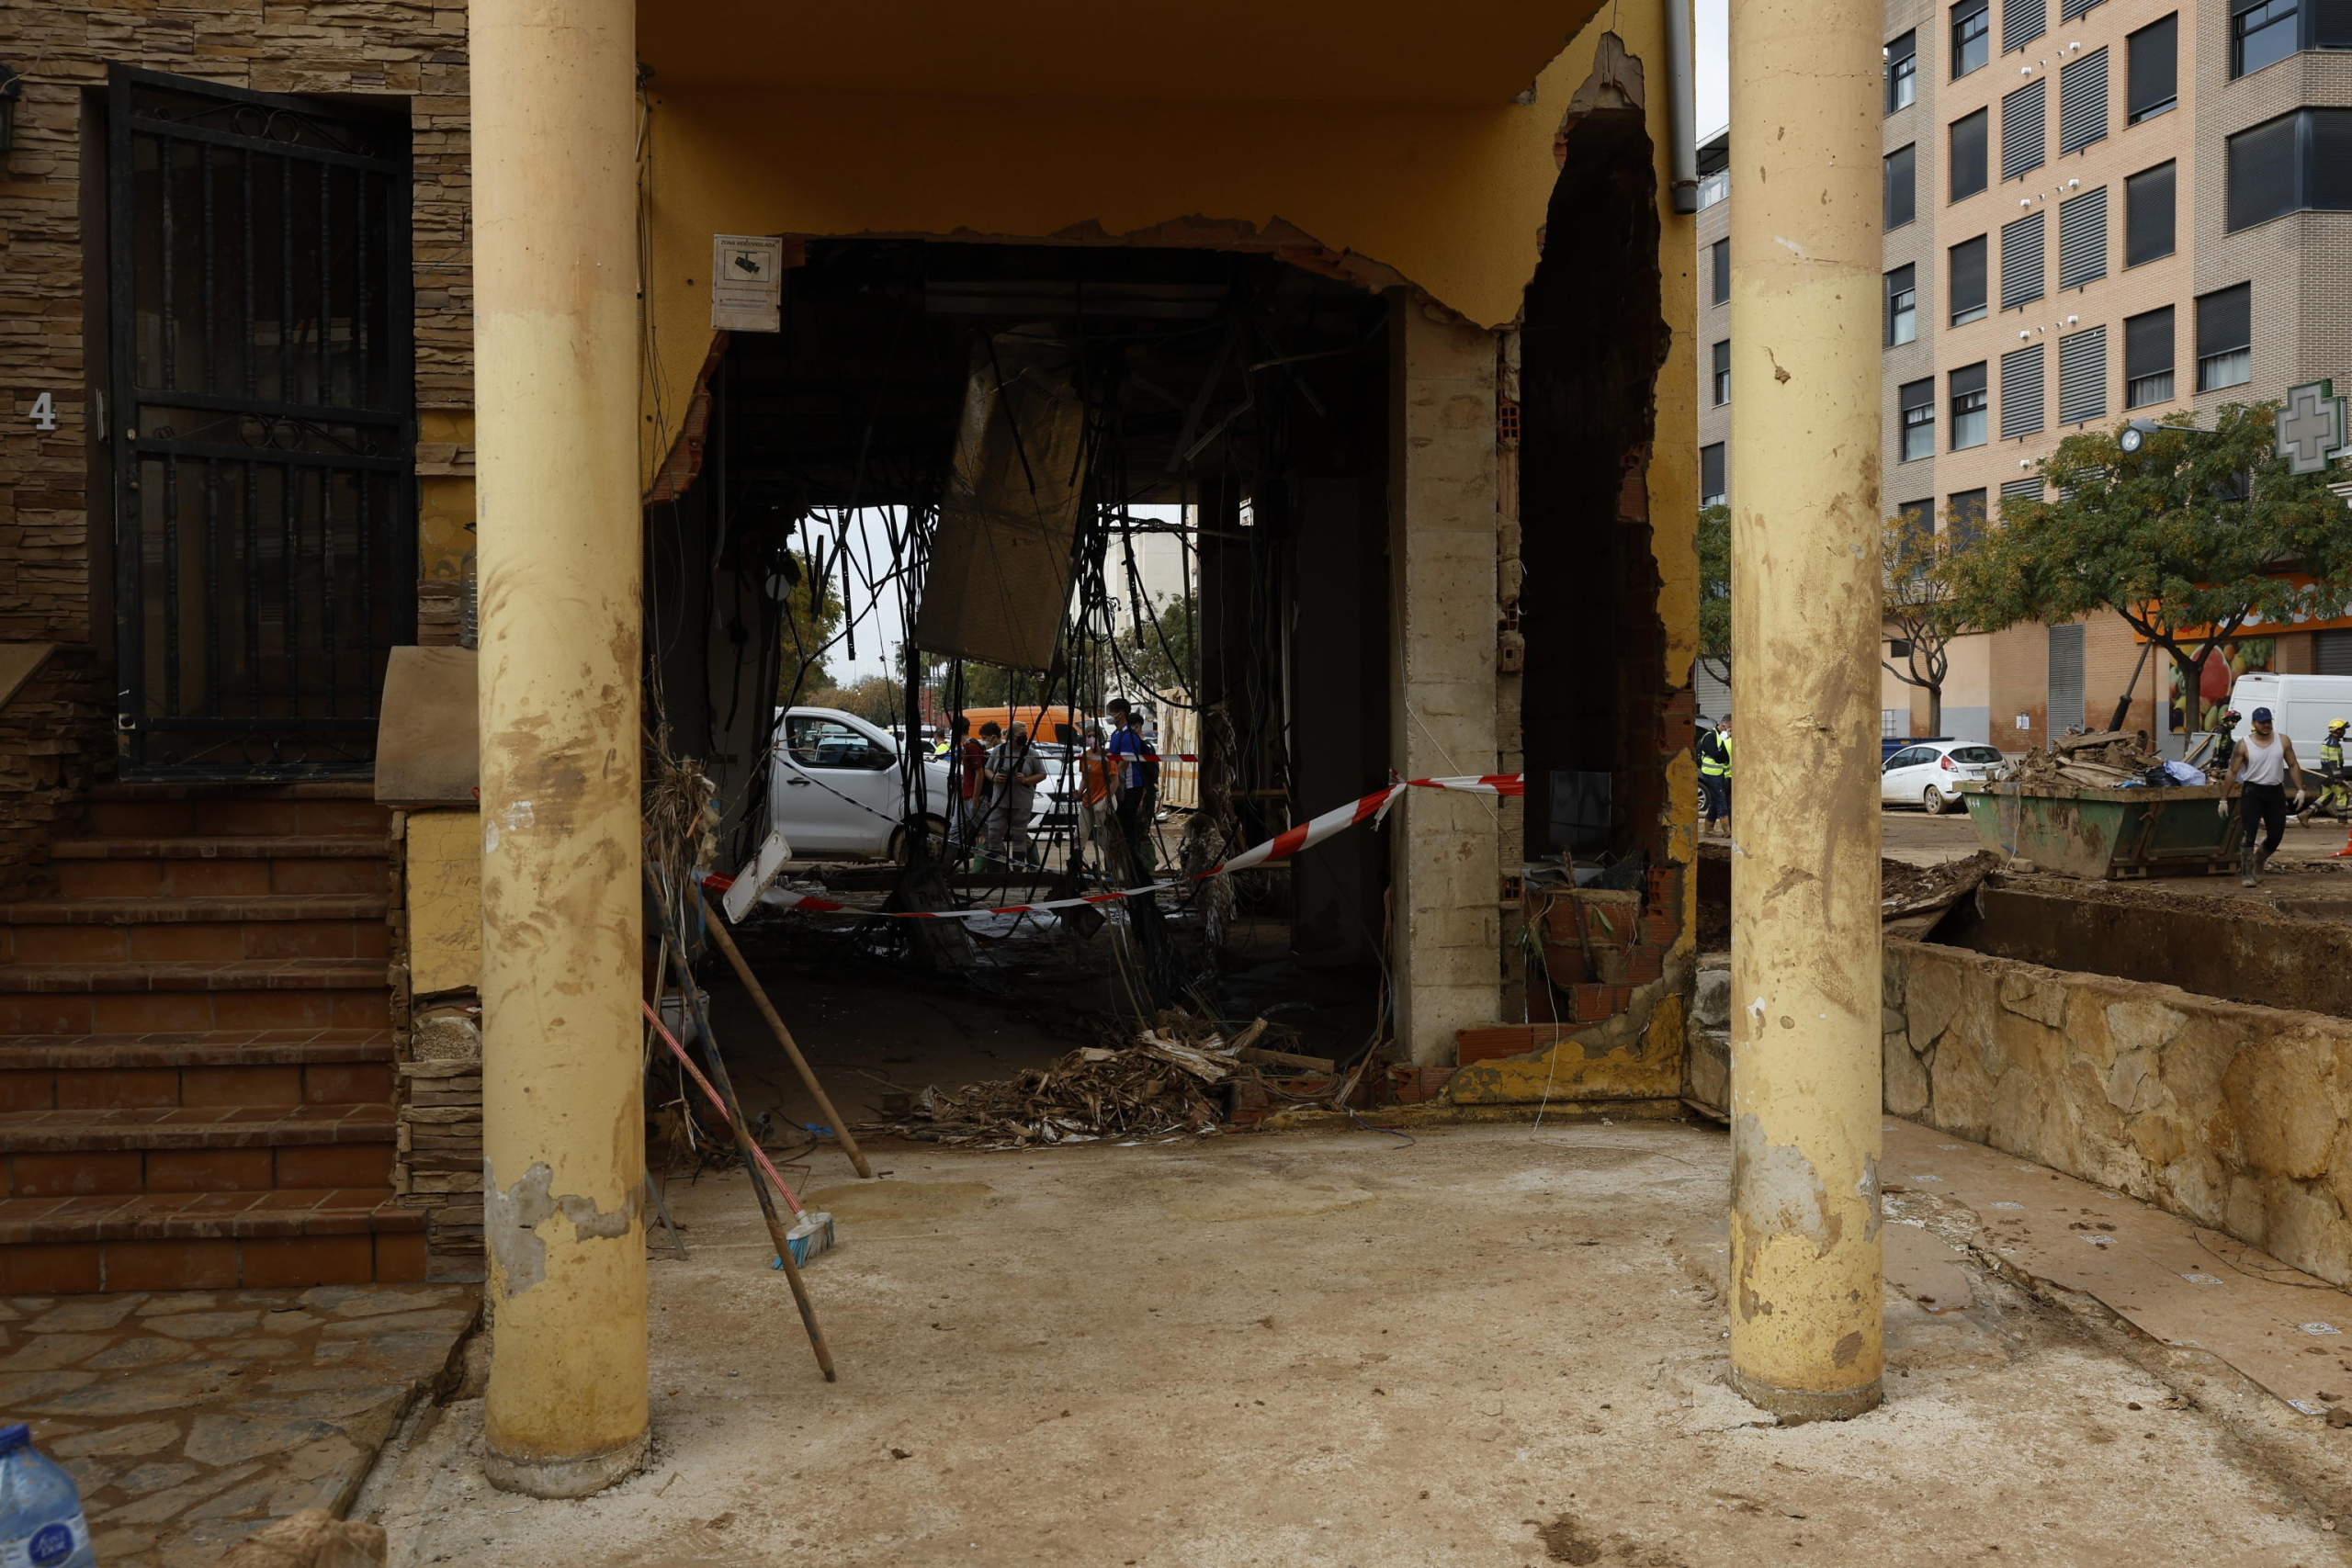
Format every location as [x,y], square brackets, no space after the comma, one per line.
[1930,773]
[836,789]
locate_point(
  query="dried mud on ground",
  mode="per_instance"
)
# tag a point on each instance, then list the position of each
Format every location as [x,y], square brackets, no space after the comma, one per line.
[1498,1345]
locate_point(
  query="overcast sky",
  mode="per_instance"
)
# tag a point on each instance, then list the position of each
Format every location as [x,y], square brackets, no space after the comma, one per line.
[1715,69]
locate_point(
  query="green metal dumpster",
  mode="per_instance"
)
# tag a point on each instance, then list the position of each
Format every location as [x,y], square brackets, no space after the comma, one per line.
[2108,833]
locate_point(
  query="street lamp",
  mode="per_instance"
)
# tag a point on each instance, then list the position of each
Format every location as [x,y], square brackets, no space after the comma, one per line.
[2135,434]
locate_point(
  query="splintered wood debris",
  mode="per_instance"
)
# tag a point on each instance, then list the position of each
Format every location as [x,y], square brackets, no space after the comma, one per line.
[1176,1077]
[2105,758]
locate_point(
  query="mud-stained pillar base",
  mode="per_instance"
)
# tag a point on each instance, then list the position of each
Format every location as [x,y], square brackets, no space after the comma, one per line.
[1806,1337]
[555,278]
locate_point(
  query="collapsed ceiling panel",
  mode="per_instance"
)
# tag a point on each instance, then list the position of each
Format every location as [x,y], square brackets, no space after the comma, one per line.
[999,571]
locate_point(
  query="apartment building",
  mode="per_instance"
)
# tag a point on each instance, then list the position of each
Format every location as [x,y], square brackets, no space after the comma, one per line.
[2094,209]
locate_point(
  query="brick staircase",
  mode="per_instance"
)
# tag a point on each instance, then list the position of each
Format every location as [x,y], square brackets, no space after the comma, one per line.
[196,1048]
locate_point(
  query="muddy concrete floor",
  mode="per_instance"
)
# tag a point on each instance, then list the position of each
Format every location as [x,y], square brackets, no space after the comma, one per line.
[1494,1345]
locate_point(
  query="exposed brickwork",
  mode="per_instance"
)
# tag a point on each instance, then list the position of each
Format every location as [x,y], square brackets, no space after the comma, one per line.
[375,47]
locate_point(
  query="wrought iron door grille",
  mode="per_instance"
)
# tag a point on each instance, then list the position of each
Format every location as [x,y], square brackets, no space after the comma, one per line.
[262,427]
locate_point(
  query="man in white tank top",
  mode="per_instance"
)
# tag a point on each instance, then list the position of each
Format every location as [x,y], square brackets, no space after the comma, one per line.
[2262,767]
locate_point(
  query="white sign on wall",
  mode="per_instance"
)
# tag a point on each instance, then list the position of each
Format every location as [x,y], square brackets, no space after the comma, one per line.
[746,282]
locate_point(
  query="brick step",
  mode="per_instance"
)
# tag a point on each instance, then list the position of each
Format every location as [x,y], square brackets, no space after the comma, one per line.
[196,997]
[264,927]
[81,1153]
[164,1071]
[324,806]
[254,865]
[167,1241]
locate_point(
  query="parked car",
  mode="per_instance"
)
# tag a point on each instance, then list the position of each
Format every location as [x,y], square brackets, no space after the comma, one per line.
[838,790]
[1929,773]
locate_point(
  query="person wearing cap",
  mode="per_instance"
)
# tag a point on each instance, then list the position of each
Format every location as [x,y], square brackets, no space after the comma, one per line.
[2329,798]
[2261,766]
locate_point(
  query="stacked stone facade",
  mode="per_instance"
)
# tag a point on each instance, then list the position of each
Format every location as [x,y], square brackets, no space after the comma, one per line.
[53,546]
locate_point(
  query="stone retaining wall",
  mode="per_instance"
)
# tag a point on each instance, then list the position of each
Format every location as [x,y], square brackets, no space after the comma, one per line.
[2236,1117]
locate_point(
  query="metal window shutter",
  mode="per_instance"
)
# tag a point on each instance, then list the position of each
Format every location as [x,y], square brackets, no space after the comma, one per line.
[2070,10]
[2023,267]
[2065,677]
[2082,239]
[2022,21]
[2082,375]
[2021,392]
[2025,129]
[2082,103]
[2030,488]
[2147,344]
[2334,651]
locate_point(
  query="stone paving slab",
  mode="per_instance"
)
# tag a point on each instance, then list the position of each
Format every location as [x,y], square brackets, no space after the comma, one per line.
[192,1418]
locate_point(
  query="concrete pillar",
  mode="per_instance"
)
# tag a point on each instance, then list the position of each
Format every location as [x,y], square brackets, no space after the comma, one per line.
[554,332]
[1806,1331]
[1445,935]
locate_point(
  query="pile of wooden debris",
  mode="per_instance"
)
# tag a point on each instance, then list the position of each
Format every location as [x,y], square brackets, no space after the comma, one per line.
[2105,758]
[1180,1075]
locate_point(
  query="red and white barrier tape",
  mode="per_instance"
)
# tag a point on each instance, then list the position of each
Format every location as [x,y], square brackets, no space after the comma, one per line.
[1282,846]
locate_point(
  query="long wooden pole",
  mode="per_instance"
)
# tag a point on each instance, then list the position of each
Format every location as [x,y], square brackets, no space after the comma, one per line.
[783,1037]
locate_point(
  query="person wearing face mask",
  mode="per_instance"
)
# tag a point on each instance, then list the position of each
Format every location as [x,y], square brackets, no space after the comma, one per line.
[2261,767]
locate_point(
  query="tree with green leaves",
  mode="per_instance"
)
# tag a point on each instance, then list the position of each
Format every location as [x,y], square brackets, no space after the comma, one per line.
[1918,607]
[1157,651]
[1714,591]
[2188,538]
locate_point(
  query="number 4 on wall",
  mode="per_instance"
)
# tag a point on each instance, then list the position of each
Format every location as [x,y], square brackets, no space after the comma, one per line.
[44,414]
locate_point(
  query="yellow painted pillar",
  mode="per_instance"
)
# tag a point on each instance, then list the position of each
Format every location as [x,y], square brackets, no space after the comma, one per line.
[555,333]
[1806,1330]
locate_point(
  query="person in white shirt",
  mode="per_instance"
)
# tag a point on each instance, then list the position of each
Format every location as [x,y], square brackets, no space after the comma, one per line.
[2261,768]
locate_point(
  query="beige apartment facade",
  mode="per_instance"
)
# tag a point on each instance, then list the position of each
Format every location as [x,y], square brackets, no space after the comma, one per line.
[2063,251]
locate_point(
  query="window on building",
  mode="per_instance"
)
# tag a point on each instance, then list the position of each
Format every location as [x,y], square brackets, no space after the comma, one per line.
[2300,162]
[1903,73]
[2154,70]
[2021,392]
[2024,247]
[1723,373]
[2082,375]
[2262,32]
[1711,489]
[1972,36]
[2019,490]
[1902,306]
[2332,653]
[1911,551]
[1968,153]
[1968,407]
[2082,103]
[1968,281]
[2226,338]
[1917,400]
[1902,203]
[1964,517]
[2147,358]
[2067,683]
[2025,129]
[2082,239]
[2069,10]
[2147,215]
[2022,21]
[1720,253]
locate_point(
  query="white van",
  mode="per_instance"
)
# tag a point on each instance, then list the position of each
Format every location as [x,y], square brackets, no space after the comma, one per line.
[2300,706]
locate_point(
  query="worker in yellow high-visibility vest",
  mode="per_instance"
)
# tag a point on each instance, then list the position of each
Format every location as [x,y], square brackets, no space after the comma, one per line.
[1714,777]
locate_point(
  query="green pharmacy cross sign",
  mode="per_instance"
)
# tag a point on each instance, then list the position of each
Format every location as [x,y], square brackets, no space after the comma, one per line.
[2310,426]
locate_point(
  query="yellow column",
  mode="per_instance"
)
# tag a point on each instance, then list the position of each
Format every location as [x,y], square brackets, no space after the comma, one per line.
[1806,1332]
[555,333]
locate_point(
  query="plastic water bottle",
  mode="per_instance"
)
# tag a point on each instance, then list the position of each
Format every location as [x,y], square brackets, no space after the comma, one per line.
[40,1508]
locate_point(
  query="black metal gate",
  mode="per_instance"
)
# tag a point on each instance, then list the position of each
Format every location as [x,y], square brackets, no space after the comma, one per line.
[262,427]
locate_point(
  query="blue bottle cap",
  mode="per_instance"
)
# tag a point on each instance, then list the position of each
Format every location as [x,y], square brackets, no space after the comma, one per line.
[15,1437]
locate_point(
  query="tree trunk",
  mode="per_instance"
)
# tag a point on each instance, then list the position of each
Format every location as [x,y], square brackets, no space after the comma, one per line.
[1936,709]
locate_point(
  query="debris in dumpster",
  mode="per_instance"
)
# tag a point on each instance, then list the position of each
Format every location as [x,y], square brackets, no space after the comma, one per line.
[2106,759]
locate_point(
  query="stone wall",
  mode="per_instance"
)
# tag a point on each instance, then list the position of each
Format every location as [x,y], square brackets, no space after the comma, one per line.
[2236,1117]
[49,183]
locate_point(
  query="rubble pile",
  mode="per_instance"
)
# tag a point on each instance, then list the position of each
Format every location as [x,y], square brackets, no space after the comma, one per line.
[2105,758]
[1179,1076]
